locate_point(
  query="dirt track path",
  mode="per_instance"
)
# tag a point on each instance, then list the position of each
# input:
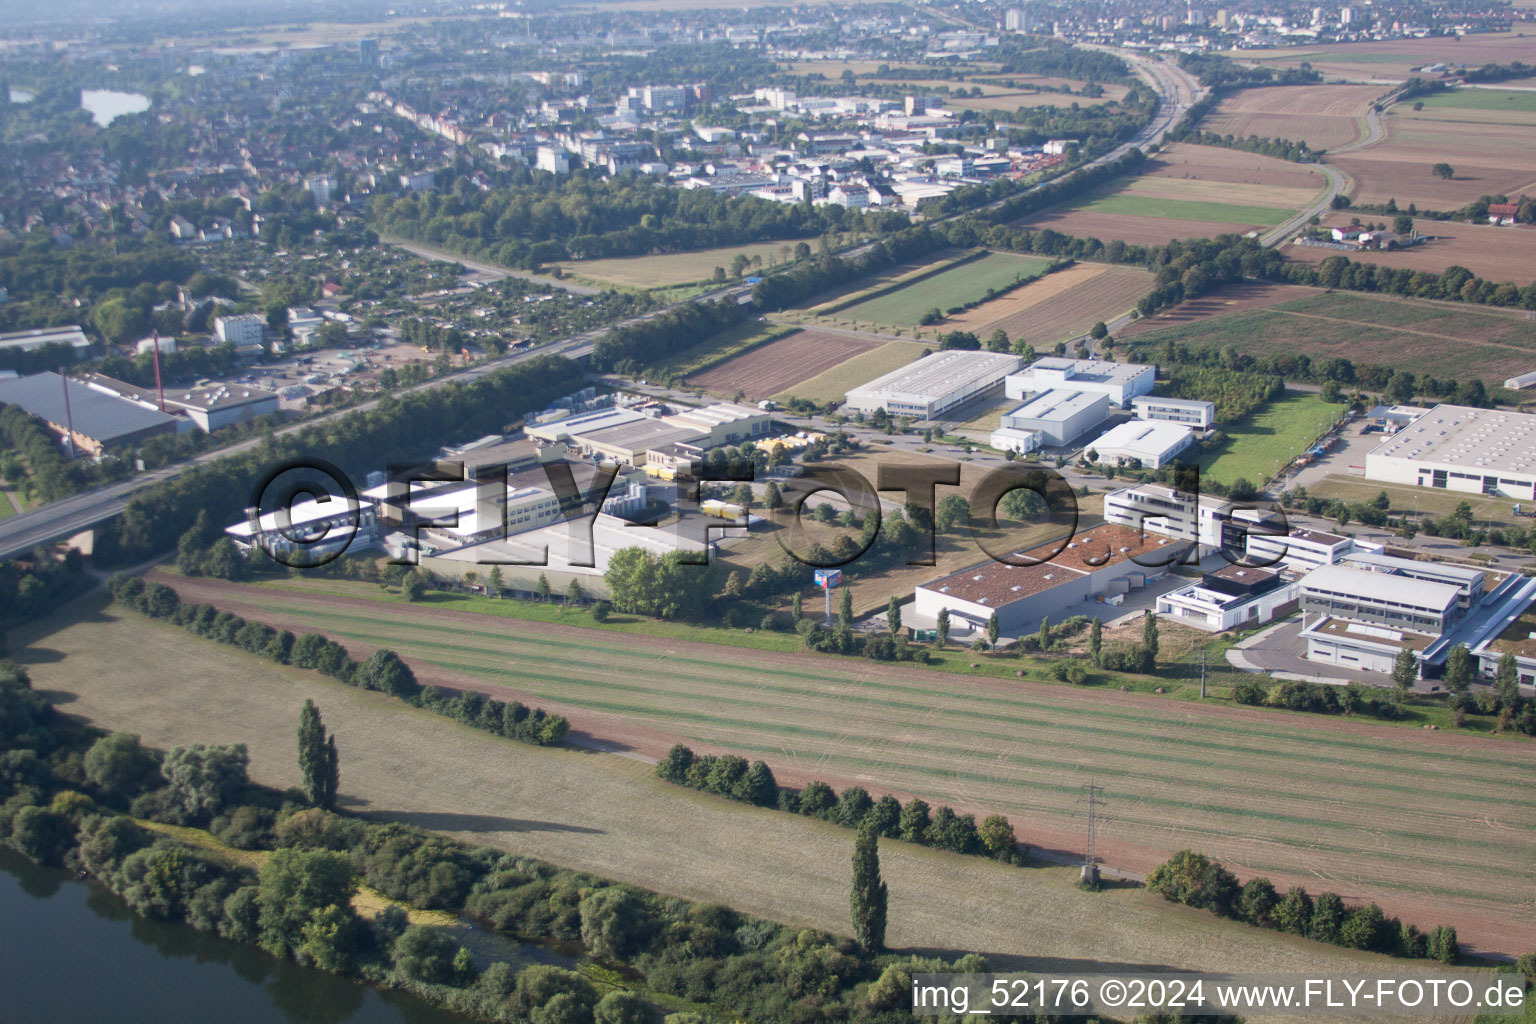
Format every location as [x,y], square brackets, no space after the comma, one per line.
[610,816]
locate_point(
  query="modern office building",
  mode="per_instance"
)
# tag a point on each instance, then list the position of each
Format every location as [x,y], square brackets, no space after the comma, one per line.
[1231,597]
[1188,411]
[241,329]
[1210,521]
[935,384]
[1458,448]
[1145,443]
[1386,599]
[1060,417]
[1121,382]
[1299,550]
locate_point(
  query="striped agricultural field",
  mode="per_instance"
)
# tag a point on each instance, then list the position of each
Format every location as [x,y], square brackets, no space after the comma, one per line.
[1435,826]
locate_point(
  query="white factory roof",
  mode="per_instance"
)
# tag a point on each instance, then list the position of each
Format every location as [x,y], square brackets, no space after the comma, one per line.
[1472,440]
[1382,586]
[1056,405]
[718,414]
[1142,438]
[940,373]
[300,515]
[1089,371]
[582,423]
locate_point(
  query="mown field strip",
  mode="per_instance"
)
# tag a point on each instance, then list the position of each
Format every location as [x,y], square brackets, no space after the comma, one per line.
[984,750]
[731,677]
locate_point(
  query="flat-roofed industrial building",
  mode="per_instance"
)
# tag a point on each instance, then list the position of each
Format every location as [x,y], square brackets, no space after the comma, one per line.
[935,384]
[1459,448]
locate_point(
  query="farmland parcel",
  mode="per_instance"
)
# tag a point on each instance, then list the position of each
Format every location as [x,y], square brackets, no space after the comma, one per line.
[607,814]
[1369,810]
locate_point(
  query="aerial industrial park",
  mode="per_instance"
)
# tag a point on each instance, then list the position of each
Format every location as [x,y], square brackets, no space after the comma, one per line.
[652,512]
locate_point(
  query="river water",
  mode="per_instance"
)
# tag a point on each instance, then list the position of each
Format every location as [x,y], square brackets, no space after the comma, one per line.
[72,951]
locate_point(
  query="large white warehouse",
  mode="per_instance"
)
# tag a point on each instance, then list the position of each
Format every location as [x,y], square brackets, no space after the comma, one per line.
[934,384]
[1458,448]
[1121,382]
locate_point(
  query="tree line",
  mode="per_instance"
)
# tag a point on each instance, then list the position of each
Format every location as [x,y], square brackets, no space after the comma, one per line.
[1202,882]
[732,777]
[588,217]
[383,670]
[69,794]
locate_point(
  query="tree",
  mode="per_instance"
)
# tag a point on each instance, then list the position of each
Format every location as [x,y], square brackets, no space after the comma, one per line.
[1294,913]
[942,639]
[845,609]
[1242,489]
[992,631]
[869,897]
[914,821]
[1507,682]
[576,594]
[772,498]
[295,886]
[1443,945]
[1459,669]
[118,766]
[613,922]
[1044,636]
[1195,880]
[997,836]
[893,615]
[495,582]
[424,953]
[1099,330]
[319,761]
[413,586]
[796,609]
[1327,917]
[384,671]
[999,342]
[1149,635]
[1403,224]
[953,510]
[1096,640]
[1405,670]
[1443,170]
[543,588]
[204,779]
[1256,903]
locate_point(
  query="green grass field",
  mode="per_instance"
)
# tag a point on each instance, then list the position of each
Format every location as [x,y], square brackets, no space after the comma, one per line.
[833,385]
[609,815]
[1185,209]
[1363,809]
[1262,444]
[956,286]
[674,268]
[1481,99]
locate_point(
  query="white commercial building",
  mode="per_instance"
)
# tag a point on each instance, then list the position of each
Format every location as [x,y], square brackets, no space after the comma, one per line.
[1210,521]
[1458,448]
[1011,439]
[1121,382]
[241,329]
[1061,417]
[1230,597]
[1148,443]
[30,341]
[934,384]
[1188,411]
[1301,550]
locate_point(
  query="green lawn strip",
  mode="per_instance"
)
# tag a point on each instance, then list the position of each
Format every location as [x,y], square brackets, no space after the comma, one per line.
[1265,442]
[954,287]
[1480,99]
[1316,746]
[1185,209]
[564,681]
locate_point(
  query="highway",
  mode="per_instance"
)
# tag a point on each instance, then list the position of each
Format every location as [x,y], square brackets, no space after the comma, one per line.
[1178,91]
